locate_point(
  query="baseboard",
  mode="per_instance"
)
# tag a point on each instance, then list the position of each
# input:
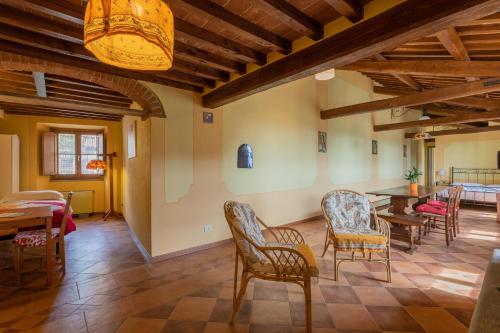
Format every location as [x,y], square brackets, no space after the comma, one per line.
[207,246]
[139,245]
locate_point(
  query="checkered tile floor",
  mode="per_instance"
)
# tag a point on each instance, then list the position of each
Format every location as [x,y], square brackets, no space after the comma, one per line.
[109,288]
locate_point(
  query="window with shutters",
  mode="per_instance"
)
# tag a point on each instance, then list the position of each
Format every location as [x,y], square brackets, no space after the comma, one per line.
[74,149]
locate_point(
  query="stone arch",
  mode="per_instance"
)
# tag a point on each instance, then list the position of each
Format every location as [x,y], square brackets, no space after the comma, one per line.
[131,88]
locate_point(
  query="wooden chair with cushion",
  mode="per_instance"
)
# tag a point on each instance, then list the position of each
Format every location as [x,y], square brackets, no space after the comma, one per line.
[444,204]
[351,229]
[38,238]
[441,216]
[286,259]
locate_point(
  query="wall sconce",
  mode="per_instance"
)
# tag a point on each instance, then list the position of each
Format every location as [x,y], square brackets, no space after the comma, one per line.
[245,156]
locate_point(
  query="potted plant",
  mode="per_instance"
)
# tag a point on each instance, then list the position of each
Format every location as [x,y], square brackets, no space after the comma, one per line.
[412,176]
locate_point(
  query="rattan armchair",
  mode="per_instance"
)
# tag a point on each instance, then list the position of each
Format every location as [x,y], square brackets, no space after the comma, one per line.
[286,259]
[354,227]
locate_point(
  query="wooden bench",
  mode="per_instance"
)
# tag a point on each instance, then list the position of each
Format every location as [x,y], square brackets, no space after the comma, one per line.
[406,228]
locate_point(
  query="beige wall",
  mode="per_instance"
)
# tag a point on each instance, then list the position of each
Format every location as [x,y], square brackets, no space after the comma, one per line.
[477,150]
[137,181]
[30,128]
[193,165]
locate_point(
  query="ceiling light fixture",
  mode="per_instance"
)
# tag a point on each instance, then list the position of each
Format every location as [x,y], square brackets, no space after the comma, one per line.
[325,75]
[132,34]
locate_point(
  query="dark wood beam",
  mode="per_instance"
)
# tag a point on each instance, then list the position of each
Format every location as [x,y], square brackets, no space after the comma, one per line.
[470,101]
[200,70]
[429,67]
[240,23]
[62,10]
[425,97]
[458,119]
[185,30]
[401,77]
[458,131]
[452,42]
[405,22]
[293,18]
[57,113]
[74,105]
[352,9]
[73,61]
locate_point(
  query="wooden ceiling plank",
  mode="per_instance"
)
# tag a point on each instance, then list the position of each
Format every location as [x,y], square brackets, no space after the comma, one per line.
[200,70]
[225,44]
[458,131]
[401,77]
[60,9]
[352,9]
[19,19]
[294,18]
[458,119]
[429,67]
[44,109]
[407,21]
[50,113]
[239,22]
[89,90]
[452,42]
[469,101]
[425,97]
[74,105]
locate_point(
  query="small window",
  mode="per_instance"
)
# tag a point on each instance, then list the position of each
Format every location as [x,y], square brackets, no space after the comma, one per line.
[74,149]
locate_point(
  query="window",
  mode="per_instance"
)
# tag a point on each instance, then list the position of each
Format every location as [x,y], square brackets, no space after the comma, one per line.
[74,149]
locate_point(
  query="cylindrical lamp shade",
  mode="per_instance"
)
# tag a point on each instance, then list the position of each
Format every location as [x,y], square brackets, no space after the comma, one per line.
[133,34]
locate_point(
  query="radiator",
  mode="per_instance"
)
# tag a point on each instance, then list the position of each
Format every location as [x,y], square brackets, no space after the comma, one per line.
[82,202]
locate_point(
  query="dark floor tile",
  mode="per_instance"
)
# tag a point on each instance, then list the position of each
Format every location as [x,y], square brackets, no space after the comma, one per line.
[361,279]
[320,315]
[173,326]
[223,310]
[259,328]
[411,297]
[210,292]
[463,315]
[339,294]
[394,318]
[160,312]
[273,292]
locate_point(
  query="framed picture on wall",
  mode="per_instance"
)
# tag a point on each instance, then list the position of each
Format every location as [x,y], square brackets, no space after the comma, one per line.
[322,142]
[374,147]
[131,140]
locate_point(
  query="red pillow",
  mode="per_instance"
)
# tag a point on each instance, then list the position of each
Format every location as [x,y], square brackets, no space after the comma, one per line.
[425,208]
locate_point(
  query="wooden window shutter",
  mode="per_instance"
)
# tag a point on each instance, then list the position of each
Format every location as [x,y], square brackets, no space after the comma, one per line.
[49,153]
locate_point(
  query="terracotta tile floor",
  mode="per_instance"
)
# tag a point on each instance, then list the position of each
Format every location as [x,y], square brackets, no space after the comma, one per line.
[110,288]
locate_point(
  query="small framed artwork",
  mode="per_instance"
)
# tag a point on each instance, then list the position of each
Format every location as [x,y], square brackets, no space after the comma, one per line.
[374,147]
[208,117]
[131,140]
[405,152]
[322,142]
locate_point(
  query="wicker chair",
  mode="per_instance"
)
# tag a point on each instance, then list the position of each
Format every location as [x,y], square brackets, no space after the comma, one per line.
[351,229]
[286,259]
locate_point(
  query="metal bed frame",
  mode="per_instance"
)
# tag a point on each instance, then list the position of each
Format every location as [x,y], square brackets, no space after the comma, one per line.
[481,176]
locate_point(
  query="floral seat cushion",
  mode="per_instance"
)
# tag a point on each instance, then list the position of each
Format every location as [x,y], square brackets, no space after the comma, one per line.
[437,203]
[430,209]
[359,240]
[34,238]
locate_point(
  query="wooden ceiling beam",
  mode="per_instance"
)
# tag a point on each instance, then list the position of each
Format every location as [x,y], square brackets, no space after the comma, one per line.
[89,90]
[11,106]
[293,18]
[452,42]
[200,70]
[352,9]
[407,21]
[458,131]
[425,97]
[74,105]
[64,114]
[185,30]
[429,67]
[249,28]
[62,10]
[65,97]
[469,101]
[458,119]
[401,77]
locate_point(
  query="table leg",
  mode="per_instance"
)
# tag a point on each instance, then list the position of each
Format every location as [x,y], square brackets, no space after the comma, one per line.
[398,205]
[498,207]
[412,234]
[49,249]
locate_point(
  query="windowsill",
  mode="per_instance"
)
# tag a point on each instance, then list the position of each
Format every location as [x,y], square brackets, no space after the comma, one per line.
[71,179]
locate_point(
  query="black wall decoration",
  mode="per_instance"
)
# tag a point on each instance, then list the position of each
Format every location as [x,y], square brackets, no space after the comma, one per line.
[245,156]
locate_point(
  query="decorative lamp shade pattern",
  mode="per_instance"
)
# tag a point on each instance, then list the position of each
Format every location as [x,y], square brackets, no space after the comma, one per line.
[97,165]
[133,34]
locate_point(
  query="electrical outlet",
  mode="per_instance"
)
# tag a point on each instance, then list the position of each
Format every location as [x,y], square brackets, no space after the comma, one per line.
[207,228]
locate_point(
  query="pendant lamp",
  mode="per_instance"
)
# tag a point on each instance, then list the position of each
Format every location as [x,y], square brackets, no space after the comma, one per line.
[132,34]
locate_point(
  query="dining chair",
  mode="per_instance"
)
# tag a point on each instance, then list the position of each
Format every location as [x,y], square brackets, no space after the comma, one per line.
[352,229]
[456,216]
[441,216]
[38,238]
[286,259]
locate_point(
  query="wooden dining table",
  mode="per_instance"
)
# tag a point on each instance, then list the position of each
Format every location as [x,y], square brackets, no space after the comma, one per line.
[40,215]
[406,227]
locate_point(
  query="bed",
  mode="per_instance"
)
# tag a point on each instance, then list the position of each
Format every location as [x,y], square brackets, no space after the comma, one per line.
[40,198]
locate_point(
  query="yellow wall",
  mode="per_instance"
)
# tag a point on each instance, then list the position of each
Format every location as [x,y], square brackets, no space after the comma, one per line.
[137,181]
[29,129]
[290,176]
[475,150]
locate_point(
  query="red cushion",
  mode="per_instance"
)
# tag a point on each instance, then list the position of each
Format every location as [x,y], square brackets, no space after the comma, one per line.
[425,208]
[437,203]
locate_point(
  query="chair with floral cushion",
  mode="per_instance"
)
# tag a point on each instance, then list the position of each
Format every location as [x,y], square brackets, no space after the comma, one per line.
[352,229]
[38,238]
[285,259]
